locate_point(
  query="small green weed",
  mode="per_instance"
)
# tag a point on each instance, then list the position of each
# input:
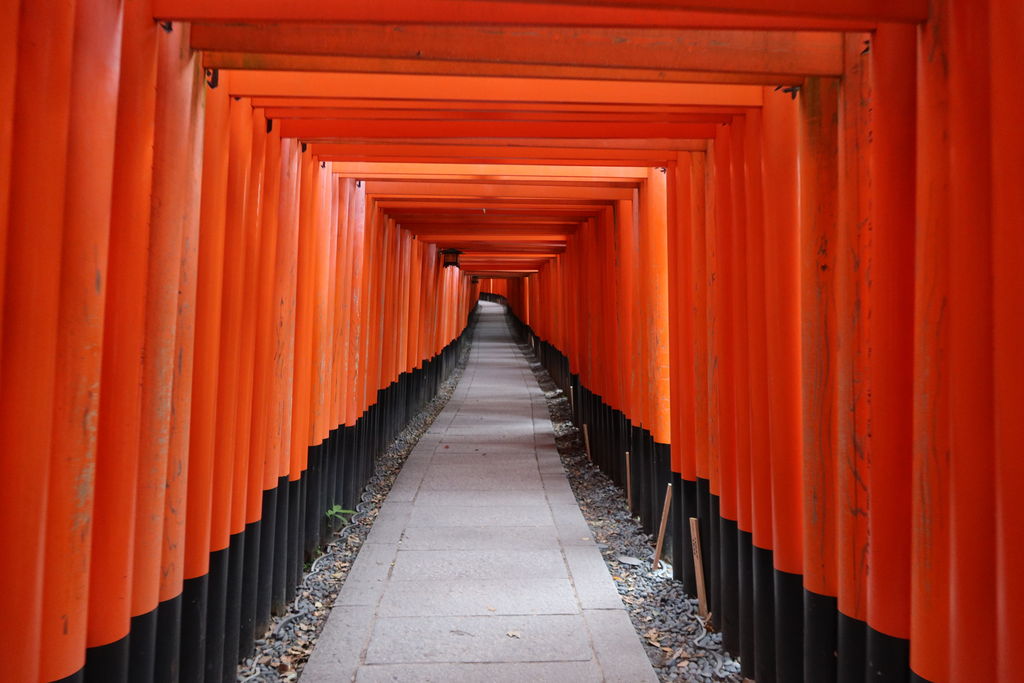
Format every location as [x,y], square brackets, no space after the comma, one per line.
[336,513]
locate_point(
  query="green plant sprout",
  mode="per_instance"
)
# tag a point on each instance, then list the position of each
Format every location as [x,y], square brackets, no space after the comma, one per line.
[339,514]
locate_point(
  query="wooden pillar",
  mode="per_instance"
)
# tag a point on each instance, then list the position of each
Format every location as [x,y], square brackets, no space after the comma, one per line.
[265,438]
[654,245]
[282,388]
[680,254]
[205,378]
[763,598]
[723,547]
[117,460]
[783,349]
[972,383]
[247,484]
[930,607]
[83,279]
[854,323]
[891,301]
[739,274]
[175,537]
[230,464]
[1007,24]
[170,208]
[8,73]
[818,242]
[31,298]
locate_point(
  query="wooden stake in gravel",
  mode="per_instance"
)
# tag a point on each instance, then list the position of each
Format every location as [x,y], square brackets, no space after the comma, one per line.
[661,528]
[698,568]
[629,484]
[586,442]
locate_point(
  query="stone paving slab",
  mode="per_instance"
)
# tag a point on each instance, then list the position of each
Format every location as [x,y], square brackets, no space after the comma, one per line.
[543,638]
[475,515]
[420,565]
[480,566]
[479,597]
[470,498]
[480,538]
[534,672]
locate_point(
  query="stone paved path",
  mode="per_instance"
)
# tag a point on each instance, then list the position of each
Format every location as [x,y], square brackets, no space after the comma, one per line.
[480,566]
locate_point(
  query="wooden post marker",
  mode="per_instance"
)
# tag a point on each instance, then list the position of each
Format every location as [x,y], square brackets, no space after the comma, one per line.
[586,442]
[629,484]
[661,528]
[698,568]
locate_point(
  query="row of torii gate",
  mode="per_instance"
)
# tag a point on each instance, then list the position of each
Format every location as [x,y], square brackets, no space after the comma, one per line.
[772,247]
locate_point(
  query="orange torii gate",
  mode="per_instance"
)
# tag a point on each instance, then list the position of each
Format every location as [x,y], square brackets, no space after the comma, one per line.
[772,248]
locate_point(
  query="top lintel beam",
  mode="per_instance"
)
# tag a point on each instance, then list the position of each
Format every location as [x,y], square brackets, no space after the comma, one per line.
[659,50]
[842,15]
[402,87]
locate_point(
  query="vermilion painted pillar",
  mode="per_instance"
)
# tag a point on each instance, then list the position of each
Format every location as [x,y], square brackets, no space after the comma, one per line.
[625,273]
[760,455]
[783,348]
[854,326]
[404,322]
[321,282]
[31,300]
[610,330]
[681,274]
[343,315]
[205,378]
[342,302]
[301,394]
[1006,24]
[893,83]
[8,73]
[738,273]
[370,346]
[230,464]
[929,605]
[699,213]
[710,511]
[282,388]
[390,300]
[358,224]
[90,159]
[243,549]
[818,224]
[366,311]
[173,556]
[265,438]
[722,533]
[972,383]
[312,474]
[110,586]
[170,206]
[414,353]
[654,245]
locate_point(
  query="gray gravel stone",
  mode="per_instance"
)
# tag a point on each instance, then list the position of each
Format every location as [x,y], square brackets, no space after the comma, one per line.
[678,645]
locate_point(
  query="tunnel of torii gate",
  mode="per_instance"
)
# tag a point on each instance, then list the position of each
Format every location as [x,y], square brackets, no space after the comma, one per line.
[772,248]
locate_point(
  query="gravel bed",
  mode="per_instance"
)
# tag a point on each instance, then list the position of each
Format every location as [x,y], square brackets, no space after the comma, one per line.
[676,640]
[286,646]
